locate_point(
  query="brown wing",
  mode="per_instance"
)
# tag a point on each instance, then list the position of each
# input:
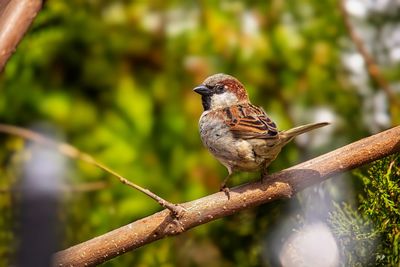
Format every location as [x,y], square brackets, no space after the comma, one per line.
[248,121]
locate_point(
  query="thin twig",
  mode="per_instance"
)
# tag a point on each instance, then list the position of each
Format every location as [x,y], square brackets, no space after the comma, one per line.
[72,152]
[279,185]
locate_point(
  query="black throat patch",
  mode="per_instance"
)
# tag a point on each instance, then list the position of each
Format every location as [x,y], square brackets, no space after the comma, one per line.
[206,101]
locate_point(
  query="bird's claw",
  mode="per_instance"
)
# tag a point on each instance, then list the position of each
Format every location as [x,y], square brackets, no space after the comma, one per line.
[225,190]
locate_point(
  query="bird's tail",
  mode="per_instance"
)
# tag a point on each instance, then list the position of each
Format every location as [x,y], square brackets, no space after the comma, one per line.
[289,134]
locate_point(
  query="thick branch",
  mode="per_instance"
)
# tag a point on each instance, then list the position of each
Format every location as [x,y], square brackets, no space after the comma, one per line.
[279,185]
[15,18]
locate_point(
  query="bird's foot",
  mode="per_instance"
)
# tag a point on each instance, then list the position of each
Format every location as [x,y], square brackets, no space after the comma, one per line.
[226,190]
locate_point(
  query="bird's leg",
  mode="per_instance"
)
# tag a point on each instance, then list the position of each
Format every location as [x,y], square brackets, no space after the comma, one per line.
[223,187]
[264,173]
[223,184]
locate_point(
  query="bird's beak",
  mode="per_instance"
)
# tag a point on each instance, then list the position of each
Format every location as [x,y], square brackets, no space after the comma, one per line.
[202,90]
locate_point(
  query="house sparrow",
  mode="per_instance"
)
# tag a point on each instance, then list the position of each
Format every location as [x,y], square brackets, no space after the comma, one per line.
[239,134]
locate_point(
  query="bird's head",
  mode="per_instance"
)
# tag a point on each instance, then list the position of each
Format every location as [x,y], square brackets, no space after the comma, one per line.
[220,91]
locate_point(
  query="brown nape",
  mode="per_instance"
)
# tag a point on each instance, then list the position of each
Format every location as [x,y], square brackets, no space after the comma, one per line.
[236,87]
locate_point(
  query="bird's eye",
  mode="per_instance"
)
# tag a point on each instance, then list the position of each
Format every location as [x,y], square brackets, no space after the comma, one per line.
[219,88]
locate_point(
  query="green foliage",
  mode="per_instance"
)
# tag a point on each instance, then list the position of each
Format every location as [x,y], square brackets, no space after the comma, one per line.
[355,234]
[370,236]
[381,205]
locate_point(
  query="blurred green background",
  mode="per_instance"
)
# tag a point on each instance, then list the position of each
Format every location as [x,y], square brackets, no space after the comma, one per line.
[115,78]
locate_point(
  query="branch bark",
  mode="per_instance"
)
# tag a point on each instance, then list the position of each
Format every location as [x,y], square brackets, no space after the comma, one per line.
[279,185]
[15,18]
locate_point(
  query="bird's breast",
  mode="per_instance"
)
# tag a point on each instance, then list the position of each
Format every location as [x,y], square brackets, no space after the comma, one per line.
[236,153]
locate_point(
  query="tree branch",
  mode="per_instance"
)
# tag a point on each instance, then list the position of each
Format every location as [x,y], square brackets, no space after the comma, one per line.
[279,185]
[372,67]
[15,18]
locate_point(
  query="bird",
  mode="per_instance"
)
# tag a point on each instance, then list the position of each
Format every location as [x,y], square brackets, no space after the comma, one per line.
[240,135]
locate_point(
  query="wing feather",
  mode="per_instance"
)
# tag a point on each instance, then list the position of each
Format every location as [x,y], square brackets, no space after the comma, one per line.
[248,122]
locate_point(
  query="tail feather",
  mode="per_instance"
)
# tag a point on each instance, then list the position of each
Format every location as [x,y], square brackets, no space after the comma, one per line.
[303,129]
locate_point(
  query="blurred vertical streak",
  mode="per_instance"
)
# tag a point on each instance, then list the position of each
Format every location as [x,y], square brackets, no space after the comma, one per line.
[38,199]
